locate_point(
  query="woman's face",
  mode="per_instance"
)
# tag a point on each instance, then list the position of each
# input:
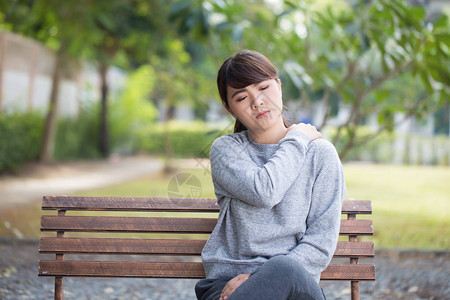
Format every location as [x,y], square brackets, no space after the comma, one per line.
[257,106]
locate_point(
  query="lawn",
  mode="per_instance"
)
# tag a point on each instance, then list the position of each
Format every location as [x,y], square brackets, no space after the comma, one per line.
[411,204]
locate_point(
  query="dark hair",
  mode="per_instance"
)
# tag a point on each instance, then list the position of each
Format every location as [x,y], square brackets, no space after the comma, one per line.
[243,69]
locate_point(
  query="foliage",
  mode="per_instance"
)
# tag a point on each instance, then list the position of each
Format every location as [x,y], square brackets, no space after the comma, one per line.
[191,139]
[98,30]
[375,57]
[78,138]
[20,136]
[132,110]
[391,148]
[378,58]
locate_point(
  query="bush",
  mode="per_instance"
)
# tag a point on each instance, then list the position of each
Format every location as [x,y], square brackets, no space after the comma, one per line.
[132,111]
[78,138]
[21,137]
[188,139]
[388,148]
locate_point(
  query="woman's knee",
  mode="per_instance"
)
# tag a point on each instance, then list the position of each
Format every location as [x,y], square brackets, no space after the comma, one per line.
[293,274]
[288,270]
[285,265]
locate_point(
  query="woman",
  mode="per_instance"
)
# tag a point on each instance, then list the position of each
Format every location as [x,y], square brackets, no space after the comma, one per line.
[280,191]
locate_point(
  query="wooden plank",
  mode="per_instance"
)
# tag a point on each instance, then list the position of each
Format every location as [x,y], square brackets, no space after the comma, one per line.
[127,224]
[143,224]
[174,270]
[162,204]
[348,272]
[357,207]
[356,227]
[354,249]
[163,247]
[121,269]
[130,204]
[121,246]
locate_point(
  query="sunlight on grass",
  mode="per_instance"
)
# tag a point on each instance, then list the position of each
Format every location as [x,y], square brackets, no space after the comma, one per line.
[154,186]
[411,204]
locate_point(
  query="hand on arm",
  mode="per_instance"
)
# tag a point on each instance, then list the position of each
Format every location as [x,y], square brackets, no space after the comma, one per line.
[310,131]
[232,285]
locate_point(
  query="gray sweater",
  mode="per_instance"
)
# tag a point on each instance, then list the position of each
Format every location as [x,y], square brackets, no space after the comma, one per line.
[275,199]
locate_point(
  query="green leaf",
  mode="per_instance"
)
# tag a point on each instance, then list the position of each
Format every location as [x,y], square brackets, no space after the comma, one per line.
[179,9]
[443,37]
[106,21]
[426,81]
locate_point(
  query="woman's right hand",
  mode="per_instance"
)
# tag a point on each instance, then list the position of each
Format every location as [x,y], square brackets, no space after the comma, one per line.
[307,129]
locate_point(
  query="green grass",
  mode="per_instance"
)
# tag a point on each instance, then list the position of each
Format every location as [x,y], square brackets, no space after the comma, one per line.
[155,186]
[411,204]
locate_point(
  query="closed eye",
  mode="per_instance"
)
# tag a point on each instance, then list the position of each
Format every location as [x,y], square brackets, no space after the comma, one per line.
[240,99]
[264,88]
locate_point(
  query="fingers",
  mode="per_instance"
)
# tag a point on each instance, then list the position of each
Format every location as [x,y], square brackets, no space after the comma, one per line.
[307,129]
[232,285]
[229,288]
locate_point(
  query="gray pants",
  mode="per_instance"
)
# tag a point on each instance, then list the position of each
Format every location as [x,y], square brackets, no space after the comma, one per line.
[280,278]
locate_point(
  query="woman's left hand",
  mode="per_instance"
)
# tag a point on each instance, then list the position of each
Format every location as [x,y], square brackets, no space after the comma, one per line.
[232,285]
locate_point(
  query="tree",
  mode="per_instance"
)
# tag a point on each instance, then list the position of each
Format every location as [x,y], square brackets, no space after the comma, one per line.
[376,57]
[120,28]
[97,30]
[60,27]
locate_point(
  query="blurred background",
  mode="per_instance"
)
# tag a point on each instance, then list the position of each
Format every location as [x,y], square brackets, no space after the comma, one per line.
[117,97]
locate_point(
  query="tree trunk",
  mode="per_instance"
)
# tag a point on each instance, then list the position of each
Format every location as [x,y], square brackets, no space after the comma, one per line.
[170,113]
[104,134]
[349,145]
[2,65]
[48,142]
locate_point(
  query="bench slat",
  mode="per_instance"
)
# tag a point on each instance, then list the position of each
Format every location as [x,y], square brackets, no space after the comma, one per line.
[121,269]
[354,249]
[127,224]
[357,207]
[162,204]
[130,204]
[356,227]
[121,246]
[163,246]
[174,270]
[143,224]
[348,272]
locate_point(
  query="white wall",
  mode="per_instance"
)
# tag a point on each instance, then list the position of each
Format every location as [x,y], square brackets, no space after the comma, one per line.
[26,68]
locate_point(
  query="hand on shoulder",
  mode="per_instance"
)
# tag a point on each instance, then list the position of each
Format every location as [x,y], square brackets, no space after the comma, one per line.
[311,132]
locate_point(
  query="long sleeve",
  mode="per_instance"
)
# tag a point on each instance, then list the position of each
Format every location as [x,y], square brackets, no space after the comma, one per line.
[237,176]
[316,247]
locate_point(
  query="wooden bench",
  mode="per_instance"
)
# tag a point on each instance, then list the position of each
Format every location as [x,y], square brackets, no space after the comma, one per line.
[129,216]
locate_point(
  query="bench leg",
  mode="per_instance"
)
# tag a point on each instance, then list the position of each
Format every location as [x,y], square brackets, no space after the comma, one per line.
[355,290]
[59,288]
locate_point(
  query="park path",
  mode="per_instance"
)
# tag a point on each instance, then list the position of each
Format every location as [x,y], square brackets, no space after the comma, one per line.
[62,178]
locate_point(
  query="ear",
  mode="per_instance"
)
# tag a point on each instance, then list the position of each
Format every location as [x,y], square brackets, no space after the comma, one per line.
[230,111]
[279,87]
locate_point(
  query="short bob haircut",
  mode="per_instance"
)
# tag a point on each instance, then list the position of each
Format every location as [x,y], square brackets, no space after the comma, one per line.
[243,69]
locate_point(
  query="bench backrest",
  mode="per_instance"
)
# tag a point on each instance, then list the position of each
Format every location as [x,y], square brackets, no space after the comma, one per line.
[177,219]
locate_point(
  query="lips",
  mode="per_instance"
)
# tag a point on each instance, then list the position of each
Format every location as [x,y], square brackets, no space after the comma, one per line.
[263,114]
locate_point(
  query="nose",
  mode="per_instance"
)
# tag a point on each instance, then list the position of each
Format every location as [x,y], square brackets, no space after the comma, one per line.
[259,101]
